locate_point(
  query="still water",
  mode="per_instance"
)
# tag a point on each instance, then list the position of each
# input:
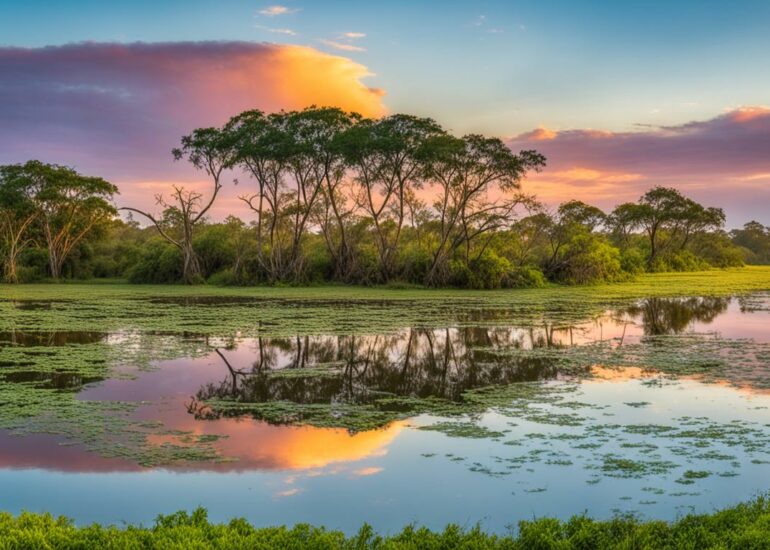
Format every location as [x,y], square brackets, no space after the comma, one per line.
[585,435]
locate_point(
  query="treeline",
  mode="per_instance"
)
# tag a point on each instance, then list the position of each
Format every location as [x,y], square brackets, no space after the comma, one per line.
[336,197]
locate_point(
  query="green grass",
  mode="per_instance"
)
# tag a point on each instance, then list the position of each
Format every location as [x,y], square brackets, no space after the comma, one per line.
[741,527]
[282,311]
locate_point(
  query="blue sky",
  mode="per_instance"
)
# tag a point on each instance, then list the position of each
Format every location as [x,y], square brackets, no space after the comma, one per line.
[620,96]
[493,66]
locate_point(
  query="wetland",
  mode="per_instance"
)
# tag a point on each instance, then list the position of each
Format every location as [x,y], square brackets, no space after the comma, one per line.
[338,406]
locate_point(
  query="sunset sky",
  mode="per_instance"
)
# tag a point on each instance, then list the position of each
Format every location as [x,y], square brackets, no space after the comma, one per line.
[620,96]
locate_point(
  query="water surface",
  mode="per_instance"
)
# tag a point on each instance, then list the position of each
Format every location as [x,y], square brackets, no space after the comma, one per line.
[656,408]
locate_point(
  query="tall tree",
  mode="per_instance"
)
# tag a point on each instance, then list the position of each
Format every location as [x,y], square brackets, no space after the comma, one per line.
[261,148]
[18,188]
[207,149]
[388,157]
[478,180]
[318,165]
[70,206]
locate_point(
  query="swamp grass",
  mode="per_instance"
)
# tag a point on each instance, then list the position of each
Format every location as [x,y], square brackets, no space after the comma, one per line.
[288,311]
[741,527]
[40,379]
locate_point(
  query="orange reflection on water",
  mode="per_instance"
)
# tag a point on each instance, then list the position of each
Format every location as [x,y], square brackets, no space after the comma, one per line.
[623,374]
[258,445]
[620,374]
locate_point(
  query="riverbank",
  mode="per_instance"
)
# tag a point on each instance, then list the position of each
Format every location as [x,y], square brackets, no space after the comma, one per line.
[743,526]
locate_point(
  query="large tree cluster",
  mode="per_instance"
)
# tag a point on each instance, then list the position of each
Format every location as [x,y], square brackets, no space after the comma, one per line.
[335,197]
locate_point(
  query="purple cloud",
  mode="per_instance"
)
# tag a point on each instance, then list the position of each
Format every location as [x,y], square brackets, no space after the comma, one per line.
[724,161]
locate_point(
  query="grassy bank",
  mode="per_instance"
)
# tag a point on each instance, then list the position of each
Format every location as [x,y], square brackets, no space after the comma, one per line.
[274,311]
[743,526]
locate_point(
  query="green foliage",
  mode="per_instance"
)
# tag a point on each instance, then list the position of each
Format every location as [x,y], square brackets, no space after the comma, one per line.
[159,263]
[632,261]
[754,242]
[743,526]
[338,198]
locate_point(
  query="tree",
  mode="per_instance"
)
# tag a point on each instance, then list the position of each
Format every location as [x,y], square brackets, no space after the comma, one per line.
[573,222]
[260,148]
[755,239]
[69,207]
[387,156]
[668,219]
[18,187]
[478,179]
[293,158]
[207,149]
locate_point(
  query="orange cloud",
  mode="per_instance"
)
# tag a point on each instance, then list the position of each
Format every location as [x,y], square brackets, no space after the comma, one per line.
[746,114]
[305,76]
[588,174]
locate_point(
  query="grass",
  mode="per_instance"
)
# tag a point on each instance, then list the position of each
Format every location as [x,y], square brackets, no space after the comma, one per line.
[740,527]
[280,311]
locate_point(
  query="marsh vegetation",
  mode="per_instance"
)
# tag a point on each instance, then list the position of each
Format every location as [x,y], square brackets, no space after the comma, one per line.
[645,397]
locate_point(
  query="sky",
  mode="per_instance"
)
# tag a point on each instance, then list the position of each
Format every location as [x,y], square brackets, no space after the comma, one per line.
[620,96]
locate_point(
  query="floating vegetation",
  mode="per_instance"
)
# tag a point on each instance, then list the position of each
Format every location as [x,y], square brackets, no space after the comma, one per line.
[462,429]
[498,351]
[615,466]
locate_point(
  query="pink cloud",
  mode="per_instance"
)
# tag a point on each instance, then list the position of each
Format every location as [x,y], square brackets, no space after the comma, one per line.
[722,162]
[117,110]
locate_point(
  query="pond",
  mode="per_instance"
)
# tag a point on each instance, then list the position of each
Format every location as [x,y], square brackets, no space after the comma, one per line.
[656,407]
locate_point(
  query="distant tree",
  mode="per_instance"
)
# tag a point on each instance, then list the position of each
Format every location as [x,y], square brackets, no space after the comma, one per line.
[572,221]
[668,219]
[754,238]
[207,149]
[69,207]
[18,187]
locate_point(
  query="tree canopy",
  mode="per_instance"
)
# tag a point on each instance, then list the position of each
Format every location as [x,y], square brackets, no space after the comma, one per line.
[333,196]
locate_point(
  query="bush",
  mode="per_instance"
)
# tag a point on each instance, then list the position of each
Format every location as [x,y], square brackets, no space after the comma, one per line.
[743,526]
[525,277]
[686,261]
[160,263]
[225,277]
[632,260]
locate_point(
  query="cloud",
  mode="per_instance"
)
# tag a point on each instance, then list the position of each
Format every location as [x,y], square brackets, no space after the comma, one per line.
[273,11]
[288,32]
[117,110]
[369,471]
[342,46]
[720,162]
[287,493]
[353,35]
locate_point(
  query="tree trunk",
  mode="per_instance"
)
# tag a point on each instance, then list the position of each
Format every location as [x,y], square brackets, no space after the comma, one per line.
[54,264]
[191,271]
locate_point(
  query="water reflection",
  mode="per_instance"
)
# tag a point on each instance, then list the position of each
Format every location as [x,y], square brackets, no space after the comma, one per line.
[661,316]
[351,370]
[422,363]
[45,338]
[359,369]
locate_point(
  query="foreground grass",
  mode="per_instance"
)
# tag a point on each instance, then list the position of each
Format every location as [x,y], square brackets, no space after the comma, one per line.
[743,526]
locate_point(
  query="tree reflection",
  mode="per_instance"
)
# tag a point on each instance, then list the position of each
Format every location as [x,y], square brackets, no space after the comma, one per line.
[415,362]
[662,316]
